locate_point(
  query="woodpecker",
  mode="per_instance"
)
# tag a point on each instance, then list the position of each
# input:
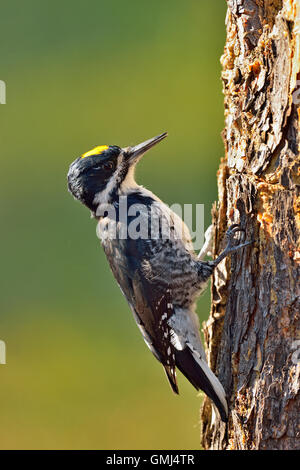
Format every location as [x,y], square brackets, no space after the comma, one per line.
[160,276]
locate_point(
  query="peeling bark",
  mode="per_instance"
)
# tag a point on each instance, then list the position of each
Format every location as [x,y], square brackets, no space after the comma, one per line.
[253,334]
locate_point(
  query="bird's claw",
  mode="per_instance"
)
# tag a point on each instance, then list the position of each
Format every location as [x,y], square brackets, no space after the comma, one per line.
[233,229]
[231,243]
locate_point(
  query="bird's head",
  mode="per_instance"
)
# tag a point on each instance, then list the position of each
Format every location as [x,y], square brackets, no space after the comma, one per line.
[98,175]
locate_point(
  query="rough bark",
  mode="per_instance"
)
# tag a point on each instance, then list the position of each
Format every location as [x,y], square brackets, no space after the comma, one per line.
[253,333]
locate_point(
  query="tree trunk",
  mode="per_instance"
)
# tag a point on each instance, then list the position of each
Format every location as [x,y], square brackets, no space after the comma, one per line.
[253,335]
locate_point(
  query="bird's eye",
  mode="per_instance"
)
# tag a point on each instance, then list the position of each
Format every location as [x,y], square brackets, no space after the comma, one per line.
[108,166]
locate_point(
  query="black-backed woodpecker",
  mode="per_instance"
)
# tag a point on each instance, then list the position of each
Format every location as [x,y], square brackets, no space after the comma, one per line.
[160,276]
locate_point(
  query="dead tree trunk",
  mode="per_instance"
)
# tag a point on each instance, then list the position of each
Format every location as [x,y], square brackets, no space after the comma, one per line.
[253,335]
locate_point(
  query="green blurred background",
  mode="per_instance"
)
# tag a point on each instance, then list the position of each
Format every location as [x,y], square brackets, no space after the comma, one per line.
[80,74]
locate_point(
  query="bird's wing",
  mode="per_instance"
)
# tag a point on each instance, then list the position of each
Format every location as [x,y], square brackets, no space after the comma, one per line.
[150,302]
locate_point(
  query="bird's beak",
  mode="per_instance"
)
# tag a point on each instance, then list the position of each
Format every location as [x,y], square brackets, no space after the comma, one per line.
[134,153]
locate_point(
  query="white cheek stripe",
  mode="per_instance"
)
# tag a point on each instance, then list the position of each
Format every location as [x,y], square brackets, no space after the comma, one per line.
[102,196]
[129,182]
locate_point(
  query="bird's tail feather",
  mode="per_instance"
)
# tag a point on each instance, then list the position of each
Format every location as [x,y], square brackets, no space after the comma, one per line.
[201,377]
[171,374]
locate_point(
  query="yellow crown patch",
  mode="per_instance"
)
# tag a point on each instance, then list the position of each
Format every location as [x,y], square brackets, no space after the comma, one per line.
[95,151]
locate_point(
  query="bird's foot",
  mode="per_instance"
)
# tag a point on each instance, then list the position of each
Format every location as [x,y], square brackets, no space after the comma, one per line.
[231,243]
